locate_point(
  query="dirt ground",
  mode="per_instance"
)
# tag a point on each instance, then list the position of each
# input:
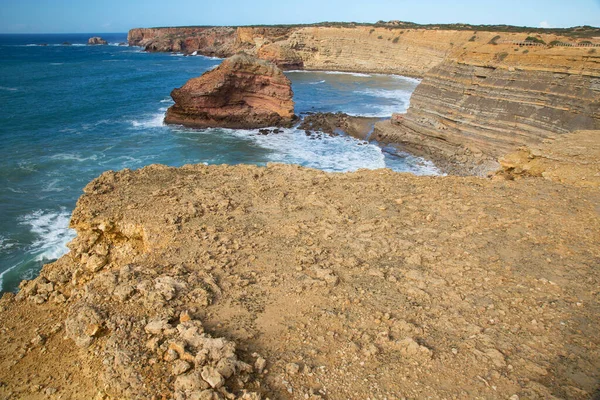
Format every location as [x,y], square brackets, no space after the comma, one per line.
[209,282]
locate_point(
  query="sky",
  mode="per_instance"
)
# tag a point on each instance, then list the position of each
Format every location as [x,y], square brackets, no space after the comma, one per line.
[77,16]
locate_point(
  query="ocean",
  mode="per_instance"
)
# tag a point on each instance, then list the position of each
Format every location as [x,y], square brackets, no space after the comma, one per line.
[70,112]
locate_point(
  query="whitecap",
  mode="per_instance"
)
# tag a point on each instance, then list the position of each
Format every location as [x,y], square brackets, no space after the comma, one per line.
[5,244]
[210,58]
[316,83]
[5,272]
[321,151]
[52,186]
[56,63]
[9,89]
[195,53]
[394,94]
[27,166]
[153,121]
[73,157]
[169,100]
[52,232]
[357,74]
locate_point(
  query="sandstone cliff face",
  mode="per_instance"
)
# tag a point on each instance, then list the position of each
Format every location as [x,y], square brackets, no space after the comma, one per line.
[491,100]
[572,158]
[409,52]
[243,92]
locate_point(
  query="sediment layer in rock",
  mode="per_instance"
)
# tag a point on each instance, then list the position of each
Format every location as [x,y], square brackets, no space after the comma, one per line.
[294,283]
[572,158]
[243,92]
[392,49]
[481,104]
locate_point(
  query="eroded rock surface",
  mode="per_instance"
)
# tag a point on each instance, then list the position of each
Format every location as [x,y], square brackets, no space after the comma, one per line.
[243,92]
[289,283]
[333,123]
[482,103]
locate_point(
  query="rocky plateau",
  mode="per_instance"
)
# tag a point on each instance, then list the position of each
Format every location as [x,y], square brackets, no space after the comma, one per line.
[245,282]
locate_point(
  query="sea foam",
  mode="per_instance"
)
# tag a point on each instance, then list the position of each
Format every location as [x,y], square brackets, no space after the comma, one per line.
[52,232]
[153,121]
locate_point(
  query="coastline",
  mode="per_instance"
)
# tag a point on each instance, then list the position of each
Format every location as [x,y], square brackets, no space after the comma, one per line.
[289,282]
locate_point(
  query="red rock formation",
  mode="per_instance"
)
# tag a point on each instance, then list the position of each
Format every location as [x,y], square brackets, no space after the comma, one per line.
[243,92]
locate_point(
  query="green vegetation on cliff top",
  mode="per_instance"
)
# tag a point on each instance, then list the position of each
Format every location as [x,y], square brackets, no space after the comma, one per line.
[585,31]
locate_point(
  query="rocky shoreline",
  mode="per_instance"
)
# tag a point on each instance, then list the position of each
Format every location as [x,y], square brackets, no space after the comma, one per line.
[483,93]
[281,282]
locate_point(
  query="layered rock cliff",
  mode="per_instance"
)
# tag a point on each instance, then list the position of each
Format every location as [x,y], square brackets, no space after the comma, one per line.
[483,102]
[484,93]
[243,92]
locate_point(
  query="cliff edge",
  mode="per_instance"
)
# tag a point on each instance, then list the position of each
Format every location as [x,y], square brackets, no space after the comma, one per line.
[283,282]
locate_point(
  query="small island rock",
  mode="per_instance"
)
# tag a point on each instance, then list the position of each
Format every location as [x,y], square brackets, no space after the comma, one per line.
[242,93]
[96,40]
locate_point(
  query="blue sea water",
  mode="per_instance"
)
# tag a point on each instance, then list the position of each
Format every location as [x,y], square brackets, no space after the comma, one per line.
[70,112]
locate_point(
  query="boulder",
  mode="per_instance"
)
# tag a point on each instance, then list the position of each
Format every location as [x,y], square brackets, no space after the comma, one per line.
[242,93]
[96,40]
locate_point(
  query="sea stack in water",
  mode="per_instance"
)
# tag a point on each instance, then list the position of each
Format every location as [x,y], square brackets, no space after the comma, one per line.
[96,40]
[242,93]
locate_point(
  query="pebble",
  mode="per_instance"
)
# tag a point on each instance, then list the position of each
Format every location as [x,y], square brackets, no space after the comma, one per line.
[180,367]
[292,368]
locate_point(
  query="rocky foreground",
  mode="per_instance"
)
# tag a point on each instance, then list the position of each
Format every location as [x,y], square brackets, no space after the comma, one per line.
[208,282]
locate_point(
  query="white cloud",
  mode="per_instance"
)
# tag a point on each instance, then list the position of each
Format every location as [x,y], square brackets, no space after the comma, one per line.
[545,24]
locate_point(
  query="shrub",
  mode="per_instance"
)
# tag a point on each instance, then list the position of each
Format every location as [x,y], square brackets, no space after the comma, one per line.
[592,51]
[585,42]
[534,39]
[396,39]
[473,38]
[379,37]
[525,51]
[494,40]
[555,43]
[371,31]
[501,56]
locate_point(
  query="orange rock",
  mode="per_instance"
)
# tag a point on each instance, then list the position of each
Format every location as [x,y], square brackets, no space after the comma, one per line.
[243,92]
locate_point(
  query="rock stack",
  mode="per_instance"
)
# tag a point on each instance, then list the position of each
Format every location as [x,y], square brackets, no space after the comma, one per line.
[242,93]
[96,40]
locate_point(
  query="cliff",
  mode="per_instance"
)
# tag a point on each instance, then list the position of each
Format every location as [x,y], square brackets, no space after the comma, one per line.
[243,93]
[484,101]
[394,48]
[484,93]
[282,282]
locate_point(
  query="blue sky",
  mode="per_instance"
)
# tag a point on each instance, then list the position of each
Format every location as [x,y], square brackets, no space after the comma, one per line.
[62,16]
